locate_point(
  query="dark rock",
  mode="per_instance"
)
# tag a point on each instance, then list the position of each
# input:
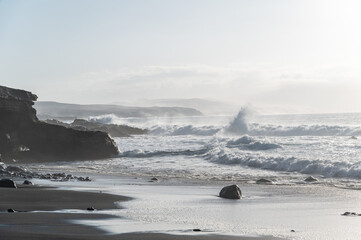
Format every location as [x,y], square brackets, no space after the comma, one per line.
[264,181]
[10,210]
[350,214]
[197,230]
[231,192]
[8,183]
[15,170]
[293,230]
[311,179]
[354,137]
[27,182]
[113,129]
[23,136]
[154,179]
[90,209]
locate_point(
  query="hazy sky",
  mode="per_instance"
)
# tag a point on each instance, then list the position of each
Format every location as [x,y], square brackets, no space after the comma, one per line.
[277,55]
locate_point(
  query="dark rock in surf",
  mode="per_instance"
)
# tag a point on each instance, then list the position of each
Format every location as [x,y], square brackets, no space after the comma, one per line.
[7,183]
[154,179]
[10,210]
[197,230]
[23,136]
[231,192]
[350,214]
[27,182]
[311,179]
[90,209]
[264,181]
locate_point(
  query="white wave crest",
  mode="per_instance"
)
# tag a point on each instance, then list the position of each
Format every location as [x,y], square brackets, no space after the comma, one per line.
[104,119]
[303,130]
[286,164]
[237,127]
[239,124]
[146,154]
[176,130]
[247,143]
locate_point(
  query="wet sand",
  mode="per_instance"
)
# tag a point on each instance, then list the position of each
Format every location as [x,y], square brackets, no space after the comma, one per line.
[47,224]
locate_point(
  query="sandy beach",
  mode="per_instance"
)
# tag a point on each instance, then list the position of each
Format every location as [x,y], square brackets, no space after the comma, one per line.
[36,216]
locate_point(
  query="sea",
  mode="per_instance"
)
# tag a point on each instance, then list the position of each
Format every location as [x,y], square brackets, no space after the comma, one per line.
[194,157]
[243,147]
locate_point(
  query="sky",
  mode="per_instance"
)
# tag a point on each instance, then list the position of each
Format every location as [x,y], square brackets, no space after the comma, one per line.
[280,56]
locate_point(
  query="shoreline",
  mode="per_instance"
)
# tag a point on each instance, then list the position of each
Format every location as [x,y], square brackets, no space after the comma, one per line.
[41,214]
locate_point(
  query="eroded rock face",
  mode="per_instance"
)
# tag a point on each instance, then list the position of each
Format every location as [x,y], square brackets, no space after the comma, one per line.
[23,136]
[231,192]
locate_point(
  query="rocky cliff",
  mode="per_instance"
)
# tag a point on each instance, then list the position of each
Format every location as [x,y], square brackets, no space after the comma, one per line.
[114,130]
[23,137]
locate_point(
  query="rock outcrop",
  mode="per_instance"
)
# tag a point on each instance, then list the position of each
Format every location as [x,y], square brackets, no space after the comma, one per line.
[24,137]
[113,129]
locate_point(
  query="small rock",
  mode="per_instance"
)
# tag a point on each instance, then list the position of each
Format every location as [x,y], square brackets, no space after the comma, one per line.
[346,214]
[311,179]
[90,209]
[354,137]
[231,192]
[197,230]
[8,183]
[154,179]
[293,230]
[27,182]
[10,210]
[264,181]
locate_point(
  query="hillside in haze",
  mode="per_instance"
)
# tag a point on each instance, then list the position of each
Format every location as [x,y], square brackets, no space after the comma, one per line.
[48,110]
[210,107]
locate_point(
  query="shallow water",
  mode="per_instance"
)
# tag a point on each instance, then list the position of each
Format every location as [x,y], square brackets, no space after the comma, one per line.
[312,211]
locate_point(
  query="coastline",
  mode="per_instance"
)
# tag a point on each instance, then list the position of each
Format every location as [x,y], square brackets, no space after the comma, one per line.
[172,208]
[45,213]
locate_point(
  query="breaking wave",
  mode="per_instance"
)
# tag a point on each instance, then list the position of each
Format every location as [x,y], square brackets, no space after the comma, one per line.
[238,126]
[247,143]
[104,119]
[147,154]
[176,130]
[287,164]
[255,129]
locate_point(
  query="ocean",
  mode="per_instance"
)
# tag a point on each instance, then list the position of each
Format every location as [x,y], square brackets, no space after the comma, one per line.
[194,157]
[245,147]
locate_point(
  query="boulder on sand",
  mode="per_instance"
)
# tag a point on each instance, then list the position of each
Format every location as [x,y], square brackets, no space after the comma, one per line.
[231,192]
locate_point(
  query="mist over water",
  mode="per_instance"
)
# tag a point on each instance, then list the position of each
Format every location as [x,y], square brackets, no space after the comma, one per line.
[238,125]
